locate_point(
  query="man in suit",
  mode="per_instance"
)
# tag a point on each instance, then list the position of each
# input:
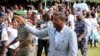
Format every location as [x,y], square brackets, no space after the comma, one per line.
[62,39]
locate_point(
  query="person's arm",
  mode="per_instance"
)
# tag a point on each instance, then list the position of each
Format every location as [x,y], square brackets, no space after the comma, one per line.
[14,41]
[4,44]
[82,35]
[39,33]
[73,46]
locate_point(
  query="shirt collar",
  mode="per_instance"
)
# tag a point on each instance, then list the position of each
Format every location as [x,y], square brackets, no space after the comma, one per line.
[62,29]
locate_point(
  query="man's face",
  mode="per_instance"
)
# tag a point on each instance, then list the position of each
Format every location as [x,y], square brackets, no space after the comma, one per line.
[47,17]
[56,21]
[79,17]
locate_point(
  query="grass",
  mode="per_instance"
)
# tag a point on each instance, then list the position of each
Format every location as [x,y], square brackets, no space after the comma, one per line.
[93,51]
[99,14]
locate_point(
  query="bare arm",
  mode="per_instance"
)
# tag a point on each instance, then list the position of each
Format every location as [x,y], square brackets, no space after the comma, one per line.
[4,46]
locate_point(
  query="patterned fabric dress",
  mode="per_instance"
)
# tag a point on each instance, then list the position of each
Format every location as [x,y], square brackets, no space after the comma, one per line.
[26,46]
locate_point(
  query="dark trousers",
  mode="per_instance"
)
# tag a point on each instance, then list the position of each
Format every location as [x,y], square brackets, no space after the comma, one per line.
[91,44]
[10,52]
[82,45]
[41,44]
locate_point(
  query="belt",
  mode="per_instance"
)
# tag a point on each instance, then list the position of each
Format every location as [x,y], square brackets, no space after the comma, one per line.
[26,46]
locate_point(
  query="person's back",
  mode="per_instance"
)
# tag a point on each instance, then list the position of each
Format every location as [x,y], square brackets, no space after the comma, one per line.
[26,44]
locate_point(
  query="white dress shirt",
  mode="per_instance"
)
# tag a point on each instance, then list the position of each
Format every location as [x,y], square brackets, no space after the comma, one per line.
[13,34]
[71,18]
[58,36]
[89,25]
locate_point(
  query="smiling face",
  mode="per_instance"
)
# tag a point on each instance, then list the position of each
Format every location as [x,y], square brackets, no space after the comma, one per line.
[15,23]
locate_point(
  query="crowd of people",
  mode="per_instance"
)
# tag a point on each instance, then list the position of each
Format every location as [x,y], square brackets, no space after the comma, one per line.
[59,30]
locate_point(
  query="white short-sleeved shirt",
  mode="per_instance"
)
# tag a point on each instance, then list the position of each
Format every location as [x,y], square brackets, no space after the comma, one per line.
[89,26]
[13,34]
[71,18]
[94,24]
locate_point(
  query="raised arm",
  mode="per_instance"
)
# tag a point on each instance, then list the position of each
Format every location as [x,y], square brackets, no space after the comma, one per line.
[39,33]
[29,28]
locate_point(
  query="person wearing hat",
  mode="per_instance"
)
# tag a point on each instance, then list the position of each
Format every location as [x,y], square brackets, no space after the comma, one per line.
[25,47]
[20,12]
[3,37]
[81,31]
[25,38]
[62,39]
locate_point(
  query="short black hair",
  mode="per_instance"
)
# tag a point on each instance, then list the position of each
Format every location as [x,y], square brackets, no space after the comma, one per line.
[93,15]
[61,16]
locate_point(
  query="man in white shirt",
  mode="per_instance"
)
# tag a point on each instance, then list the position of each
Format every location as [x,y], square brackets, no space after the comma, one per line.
[3,37]
[71,19]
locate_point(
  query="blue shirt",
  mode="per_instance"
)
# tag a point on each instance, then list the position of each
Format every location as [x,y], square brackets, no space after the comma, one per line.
[80,27]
